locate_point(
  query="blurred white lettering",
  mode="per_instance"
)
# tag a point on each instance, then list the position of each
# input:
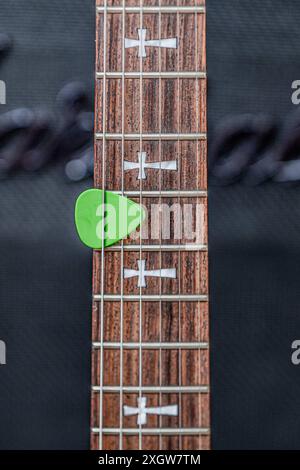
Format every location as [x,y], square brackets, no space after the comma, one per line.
[2,352]
[295,358]
[2,92]
[296,94]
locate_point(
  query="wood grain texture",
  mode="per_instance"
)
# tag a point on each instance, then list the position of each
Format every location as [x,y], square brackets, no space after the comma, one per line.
[189,55]
[178,99]
[135,105]
[190,157]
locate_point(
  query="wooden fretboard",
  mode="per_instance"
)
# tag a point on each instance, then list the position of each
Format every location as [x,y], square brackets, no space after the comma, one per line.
[150,359]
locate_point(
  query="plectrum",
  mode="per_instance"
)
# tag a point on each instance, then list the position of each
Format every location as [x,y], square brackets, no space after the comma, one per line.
[105,216]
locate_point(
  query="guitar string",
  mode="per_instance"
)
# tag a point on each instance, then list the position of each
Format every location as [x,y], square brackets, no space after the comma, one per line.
[140,233]
[197,160]
[102,228]
[179,254]
[160,224]
[122,241]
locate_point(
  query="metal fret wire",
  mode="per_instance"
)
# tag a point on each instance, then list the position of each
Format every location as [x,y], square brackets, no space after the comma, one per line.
[102,231]
[122,242]
[129,247]
[140,199]
[198,128]
[153,345]
[154,298]
[154,9]
[164,193]
[175,136]
[154,389]
[156,431]
[154,74]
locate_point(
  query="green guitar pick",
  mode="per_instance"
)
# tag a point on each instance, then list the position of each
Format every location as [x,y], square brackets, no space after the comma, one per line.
[116,220]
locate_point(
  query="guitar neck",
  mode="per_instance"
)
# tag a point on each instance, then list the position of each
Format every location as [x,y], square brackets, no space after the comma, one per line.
[150,357]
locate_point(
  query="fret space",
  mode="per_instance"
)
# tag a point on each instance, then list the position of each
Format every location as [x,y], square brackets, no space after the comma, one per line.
[196,402]
[184,263]
[185,58]
[165,322]
[169,222]
[165,367]
[162,111]
[189,157]
[150,442]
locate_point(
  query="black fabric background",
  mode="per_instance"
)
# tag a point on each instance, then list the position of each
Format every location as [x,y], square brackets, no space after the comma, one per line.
[45,273]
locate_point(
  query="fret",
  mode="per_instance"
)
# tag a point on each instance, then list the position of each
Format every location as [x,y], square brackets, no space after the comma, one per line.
[154,298]
[161,247]
[152,9]
[157,389]
[150,338]
[184,74]
[145,3]
[176,194]
[161,345]
[161,136]
[162,431]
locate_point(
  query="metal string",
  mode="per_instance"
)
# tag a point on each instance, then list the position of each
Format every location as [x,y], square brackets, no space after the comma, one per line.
[140,200]
[197,160]
[179,253]
[122,242]
[102,228]
[160,225]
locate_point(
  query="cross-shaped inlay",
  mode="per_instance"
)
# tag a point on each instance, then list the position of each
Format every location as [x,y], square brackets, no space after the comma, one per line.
[141,273]
[142,43]
[141,411]
[142,164]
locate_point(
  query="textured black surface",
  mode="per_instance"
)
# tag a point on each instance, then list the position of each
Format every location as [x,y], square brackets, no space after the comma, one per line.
[253,57]
[255,295]
[45,273]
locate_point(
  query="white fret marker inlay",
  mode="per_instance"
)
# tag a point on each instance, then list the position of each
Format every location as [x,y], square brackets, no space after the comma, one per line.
[142,273]
[142,164]
[142,43]
[142,411]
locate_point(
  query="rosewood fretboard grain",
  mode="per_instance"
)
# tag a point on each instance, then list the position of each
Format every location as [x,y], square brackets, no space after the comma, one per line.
[151,342]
